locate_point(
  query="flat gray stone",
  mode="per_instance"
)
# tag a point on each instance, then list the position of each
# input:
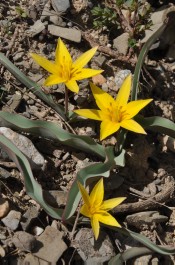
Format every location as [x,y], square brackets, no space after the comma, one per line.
[12,220]
[121,43]
[32,260]
[69,34]
[24,145]
[36,28]
[50,245]
[60,5]
[28,217]
[93,251]
[24,241]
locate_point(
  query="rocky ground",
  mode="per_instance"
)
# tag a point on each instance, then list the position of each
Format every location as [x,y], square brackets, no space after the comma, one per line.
[27,234]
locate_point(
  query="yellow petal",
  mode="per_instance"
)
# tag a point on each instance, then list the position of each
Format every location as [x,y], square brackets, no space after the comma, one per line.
[46,64]
[90,113]
[103,99]
[72,85]
[106,218]
[97,194]
[132,125]
[134,107]
[53,80]
[111,203]
[85,73]
[95,226]
[124,92]
[84,58]
[62,55]
[84,194]
[107,128]
[85,211]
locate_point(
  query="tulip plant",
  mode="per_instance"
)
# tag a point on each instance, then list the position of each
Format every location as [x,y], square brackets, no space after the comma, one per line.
[117,116]
[64,70]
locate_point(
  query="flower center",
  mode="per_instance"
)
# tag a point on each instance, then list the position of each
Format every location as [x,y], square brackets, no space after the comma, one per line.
[115,113]
[65,69]
[93,209]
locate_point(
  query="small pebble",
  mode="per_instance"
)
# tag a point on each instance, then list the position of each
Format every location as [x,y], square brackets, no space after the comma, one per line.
[4,207]
[12,220]
[70,24]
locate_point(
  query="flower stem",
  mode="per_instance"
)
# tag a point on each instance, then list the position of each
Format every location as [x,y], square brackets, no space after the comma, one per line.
[121,137]
[66,101]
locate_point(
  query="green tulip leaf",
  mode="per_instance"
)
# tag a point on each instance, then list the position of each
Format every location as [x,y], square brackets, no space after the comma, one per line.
[33,86]
[33,188]
[92,171]
[52,131]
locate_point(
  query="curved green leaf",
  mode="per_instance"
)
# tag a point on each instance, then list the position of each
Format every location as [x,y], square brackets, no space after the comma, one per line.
[157,124]
[141,59]
[146,242]
[33,188]
[33,86]
[95,170]
[52,131]
[130,253]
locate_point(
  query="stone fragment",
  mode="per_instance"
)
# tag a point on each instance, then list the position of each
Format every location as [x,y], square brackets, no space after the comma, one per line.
[69,34]
[170,144]
[24,241]
[55,198]
[46,13]
[50,245]
[99,80]
[12,220]
[100,60]
[92,251]
[32,260]
[140,219]
[28,217]
[4,173]
[36,28]
[60,5]
[157,18]
[4,207]
[18,56]
[38,230]
[2,252]
[121,43]
[56,20]
[157,21]
[13,102]
[24,144]
[120,77]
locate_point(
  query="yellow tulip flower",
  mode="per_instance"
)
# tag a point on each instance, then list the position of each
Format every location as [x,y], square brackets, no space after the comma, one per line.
[96,209]
[64,70]
[115,113]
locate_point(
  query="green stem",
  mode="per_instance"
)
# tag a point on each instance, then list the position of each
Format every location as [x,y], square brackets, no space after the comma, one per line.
[66,101]
[121,137]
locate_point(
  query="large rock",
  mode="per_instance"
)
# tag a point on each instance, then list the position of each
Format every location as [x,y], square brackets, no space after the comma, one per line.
[69,34]
[50,245]
[93,251]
